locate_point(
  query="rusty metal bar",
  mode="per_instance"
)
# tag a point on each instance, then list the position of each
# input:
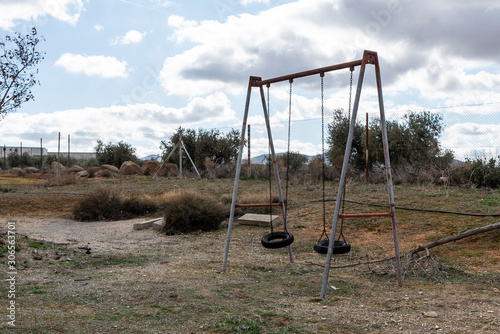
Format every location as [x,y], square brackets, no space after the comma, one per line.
[256,205]
[351,215]
[310,72]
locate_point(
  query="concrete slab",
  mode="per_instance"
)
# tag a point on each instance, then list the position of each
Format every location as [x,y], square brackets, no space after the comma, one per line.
[158,225]
[146,224]
[260,220]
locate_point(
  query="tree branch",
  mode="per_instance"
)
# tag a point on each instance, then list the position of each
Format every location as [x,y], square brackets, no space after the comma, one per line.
[457,237]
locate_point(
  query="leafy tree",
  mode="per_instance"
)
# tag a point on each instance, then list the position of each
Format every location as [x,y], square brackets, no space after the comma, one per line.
[18,60]
[294,161]
[338,132]
[14,159]
[219,148]
[114,154]
[414,142]
[189,140]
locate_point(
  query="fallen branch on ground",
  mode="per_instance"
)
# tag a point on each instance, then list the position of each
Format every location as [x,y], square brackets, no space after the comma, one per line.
[456,237]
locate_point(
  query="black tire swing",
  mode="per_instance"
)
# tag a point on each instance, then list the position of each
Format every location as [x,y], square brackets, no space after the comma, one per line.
[284,238]
[340,246]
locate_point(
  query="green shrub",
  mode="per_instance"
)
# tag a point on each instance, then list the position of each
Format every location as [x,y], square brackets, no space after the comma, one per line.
[481,173]
[190,212]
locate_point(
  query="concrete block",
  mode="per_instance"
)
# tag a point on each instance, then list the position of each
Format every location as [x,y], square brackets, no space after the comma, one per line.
[144,225]
[260,220]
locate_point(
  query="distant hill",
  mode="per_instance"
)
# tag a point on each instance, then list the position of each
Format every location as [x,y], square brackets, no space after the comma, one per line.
[156,157]
[262,159]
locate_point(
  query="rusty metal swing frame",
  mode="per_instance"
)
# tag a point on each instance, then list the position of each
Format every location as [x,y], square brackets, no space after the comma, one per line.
[369,58]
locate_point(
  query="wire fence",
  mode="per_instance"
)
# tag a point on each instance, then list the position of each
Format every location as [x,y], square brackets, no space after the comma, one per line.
[469,131]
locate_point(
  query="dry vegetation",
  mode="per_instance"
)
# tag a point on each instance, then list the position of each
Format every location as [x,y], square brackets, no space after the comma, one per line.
[147,282]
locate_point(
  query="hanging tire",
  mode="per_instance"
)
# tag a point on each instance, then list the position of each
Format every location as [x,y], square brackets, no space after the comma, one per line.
[339,247]
[321,246]
[277,240]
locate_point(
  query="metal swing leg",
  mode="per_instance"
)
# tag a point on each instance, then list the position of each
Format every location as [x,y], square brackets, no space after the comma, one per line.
[252,83]
[368,58]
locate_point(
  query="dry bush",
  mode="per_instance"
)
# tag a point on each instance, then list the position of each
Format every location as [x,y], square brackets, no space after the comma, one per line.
[103,203]
[92,170]
[107,203]
[139,206]
[18,172]
[189,212]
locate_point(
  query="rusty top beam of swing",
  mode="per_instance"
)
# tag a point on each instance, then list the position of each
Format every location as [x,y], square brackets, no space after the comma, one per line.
[351,65]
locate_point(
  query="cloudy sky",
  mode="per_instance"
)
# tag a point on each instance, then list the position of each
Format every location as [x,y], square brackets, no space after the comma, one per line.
[136,70]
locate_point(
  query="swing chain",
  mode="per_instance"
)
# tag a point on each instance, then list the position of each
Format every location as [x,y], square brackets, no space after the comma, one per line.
[269,166]
[341,232]
[323,176]
[288,148]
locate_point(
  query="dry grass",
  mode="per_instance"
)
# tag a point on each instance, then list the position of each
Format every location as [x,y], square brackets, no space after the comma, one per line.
[173,284]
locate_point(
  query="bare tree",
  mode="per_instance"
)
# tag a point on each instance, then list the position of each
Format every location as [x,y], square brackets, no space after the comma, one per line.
[18,60]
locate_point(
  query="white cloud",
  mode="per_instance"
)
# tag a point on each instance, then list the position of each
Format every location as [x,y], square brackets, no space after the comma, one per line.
[98,27]
[445,63]
[106,67]
[131,37]
[472,140]
[142,125]
[64,10]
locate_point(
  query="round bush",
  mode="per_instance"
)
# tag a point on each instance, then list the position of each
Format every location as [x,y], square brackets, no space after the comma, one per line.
[190,212]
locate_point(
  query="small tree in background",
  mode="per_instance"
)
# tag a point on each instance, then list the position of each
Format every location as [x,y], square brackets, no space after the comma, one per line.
[18,60]
[338,132]
[219,148]
[293,161]
[413,142]
[114,154]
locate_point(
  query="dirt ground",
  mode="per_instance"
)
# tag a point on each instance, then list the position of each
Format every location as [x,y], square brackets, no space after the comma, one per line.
[106,277]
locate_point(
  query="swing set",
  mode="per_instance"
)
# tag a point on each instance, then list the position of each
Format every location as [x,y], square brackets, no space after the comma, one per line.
[324,245]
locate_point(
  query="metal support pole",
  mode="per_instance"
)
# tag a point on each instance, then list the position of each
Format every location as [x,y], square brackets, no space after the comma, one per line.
[69,154]
[276,169]
[238,170]
[189,157]
[41,154]
[343,177]
[58,152]
[367,164]
[249,171]
[392,203]
[180,156]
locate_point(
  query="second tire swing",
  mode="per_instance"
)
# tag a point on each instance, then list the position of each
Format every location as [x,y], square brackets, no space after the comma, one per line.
[340,246]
